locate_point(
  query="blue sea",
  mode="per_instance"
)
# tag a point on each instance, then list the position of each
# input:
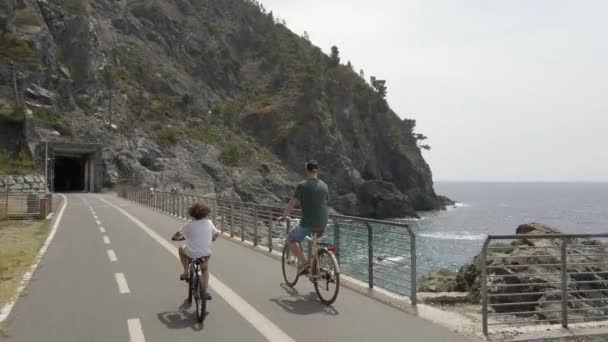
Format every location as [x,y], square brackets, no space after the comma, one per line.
[451,238]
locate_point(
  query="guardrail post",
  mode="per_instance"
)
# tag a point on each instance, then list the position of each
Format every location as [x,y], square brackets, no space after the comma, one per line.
[223,212]
[270,232]
[242,222]
[484,286]
[231,207]
[255,226]
[337,240]
[173,200]
[370,255]
[564,274]
[413,268]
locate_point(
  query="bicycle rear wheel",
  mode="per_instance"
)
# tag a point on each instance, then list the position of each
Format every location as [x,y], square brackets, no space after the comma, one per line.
[289,265]
[201,309]
[327,282]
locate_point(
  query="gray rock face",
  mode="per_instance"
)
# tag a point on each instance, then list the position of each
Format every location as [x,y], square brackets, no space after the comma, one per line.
[383,200]
[223,68]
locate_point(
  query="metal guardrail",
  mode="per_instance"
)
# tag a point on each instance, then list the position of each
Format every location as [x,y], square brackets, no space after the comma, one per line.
[547,279]
[381,253]
[22,205]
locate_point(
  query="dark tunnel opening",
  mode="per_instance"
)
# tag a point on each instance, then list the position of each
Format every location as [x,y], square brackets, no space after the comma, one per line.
[69,174]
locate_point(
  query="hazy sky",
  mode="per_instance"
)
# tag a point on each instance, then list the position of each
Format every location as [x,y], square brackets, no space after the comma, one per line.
[505,90]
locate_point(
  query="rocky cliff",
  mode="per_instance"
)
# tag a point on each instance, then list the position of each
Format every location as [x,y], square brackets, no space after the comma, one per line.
[207,96]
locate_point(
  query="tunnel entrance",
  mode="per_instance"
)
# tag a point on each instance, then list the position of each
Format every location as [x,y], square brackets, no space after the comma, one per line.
[69,174]
[73,167]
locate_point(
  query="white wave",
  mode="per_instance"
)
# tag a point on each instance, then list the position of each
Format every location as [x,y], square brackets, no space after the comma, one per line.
[453,236]
[398,258]
[461,205]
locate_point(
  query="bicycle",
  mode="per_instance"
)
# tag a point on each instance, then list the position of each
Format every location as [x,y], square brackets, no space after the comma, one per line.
[197,289]
[323,272]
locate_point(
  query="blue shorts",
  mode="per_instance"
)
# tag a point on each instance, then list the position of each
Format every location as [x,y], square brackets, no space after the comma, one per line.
[300,232]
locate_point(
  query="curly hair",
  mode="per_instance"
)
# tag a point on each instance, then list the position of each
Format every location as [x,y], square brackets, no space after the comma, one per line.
[199,211]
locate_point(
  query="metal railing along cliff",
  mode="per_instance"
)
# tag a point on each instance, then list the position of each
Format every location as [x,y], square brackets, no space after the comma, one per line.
[550,279]
[381,253]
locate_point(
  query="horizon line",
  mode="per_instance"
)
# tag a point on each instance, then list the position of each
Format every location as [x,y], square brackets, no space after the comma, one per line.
[517,181]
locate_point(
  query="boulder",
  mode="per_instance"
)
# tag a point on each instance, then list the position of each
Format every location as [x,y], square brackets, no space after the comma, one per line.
[346,204]
[382,200]
[535,229]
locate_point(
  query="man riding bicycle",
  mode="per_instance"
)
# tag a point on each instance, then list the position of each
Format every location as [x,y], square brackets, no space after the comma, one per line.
[312,197]
[198,235]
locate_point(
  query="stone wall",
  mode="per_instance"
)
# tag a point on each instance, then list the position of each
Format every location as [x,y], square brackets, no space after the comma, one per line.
[26,183]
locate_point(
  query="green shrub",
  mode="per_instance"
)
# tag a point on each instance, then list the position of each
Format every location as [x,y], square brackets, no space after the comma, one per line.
[26,17]
[22,164]
[78,7]
[168,135]
[234,154]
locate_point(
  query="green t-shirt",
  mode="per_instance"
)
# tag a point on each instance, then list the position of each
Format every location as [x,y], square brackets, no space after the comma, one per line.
[313,196]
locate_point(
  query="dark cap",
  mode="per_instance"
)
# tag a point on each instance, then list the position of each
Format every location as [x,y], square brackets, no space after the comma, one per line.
[312,165]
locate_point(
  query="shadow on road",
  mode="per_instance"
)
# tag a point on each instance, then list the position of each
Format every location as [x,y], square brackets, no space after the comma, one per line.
[183,318]
[299,304]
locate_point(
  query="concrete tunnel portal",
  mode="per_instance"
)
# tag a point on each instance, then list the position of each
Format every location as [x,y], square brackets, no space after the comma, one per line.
[74,167]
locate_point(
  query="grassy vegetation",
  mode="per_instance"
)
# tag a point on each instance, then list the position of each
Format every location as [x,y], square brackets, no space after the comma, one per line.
[59,124]
[19,245]
[21,164]
[77,7]
[207,135]
[16,51]
[27,17]
[17,115]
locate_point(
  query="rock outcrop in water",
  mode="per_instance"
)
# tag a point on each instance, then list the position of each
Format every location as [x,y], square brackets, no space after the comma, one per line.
[587,276]
[206,96]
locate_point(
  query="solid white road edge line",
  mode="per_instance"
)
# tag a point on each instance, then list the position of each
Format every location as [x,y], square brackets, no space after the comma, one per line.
[262,324]
[6,309]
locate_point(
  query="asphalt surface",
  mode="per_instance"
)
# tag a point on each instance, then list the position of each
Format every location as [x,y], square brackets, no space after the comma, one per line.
[76,295]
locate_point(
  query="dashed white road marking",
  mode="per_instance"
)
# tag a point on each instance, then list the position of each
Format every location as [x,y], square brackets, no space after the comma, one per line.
[262,324]
[102,230]
[106,240]
[97,221]
[112,255]
[136,333]
[123,287]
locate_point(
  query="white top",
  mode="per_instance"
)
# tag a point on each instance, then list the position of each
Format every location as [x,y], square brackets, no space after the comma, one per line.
[198,234]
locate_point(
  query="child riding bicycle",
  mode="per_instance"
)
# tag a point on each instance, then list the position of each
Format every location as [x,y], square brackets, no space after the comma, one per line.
[198,235]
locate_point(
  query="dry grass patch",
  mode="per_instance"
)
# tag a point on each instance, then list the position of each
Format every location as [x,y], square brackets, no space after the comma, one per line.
[19,245]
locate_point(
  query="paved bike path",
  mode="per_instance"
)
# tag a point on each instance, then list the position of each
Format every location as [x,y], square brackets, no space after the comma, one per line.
[74,295]
[77,290]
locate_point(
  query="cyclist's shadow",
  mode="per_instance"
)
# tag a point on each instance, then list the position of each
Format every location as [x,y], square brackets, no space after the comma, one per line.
[183,318]
[299,304]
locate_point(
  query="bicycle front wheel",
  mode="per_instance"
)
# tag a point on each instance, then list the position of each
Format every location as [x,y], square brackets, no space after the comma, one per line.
[289,264]
[327,281]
